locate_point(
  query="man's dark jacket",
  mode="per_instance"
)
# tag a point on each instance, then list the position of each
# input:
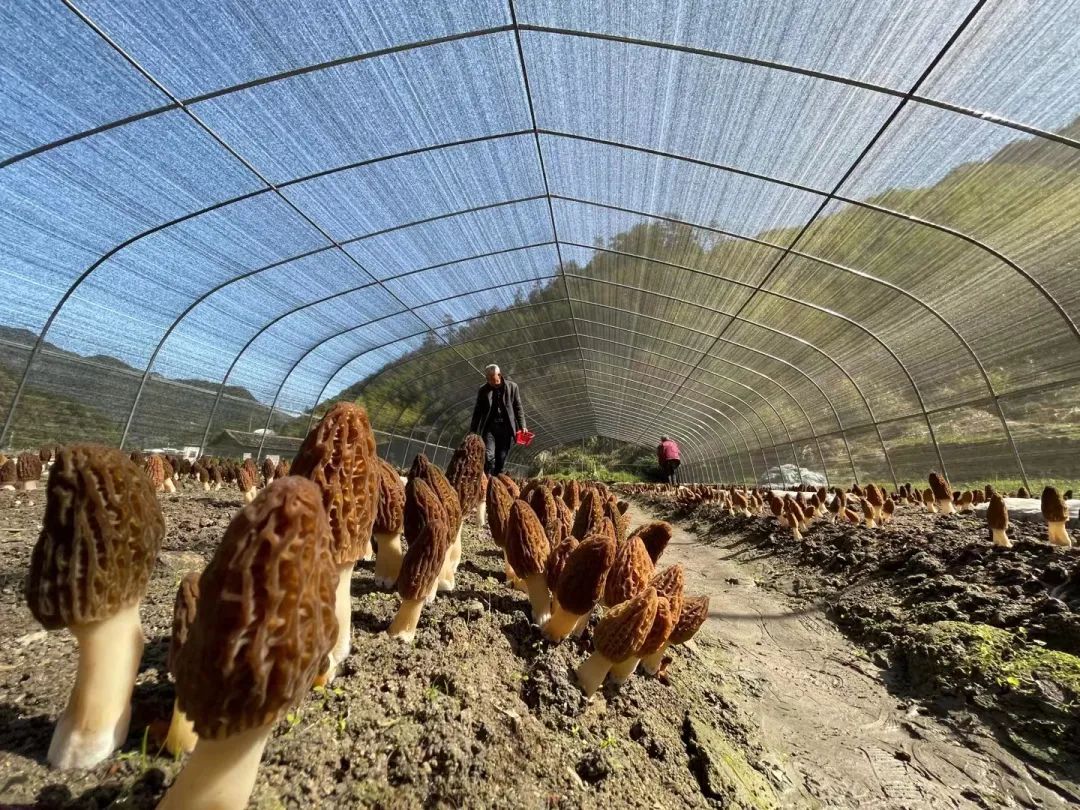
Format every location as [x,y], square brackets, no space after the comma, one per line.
[484,405]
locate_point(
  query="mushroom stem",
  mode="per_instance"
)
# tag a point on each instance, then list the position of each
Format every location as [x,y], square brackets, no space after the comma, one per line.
[220,773]
[621,672]
[539,597]
[481,515]
[582,623]
[388,557]
[343,612]
[946,507]
[592,672]
[181,738]
[511,574]
[651,663]
[1057,534]
[450,563]
[561,623]
[170,487]
[1000,538]
[98,712]
[405,620]
[249,495]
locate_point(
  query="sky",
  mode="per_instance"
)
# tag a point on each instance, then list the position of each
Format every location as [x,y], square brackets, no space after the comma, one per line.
[324,137]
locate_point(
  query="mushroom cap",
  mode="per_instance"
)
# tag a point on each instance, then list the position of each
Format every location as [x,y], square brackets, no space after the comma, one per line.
[997,514]
[527,546]
[268,623]
[557,559]
[669,583]
[390,512]
[100,539]
[867,509]
[499,502]
[187,599]
[339,455]
[889,507]
[542,501]
[466,471]
[433,476]
[695,610]
[566,517]
[571,495]
[8,473]
[1053,506]
[427,532]
[663,623]
[581,583]
[630,572]
[154,467]
[874,495]
[624,628]
[940,488]
[835,505]
[655,536]
[45,453]
[245,479]
[619,521]
[282,469]
[510,484]
[28,467]
[590,515]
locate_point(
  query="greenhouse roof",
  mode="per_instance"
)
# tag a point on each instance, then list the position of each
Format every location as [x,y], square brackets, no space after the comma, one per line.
[839,234]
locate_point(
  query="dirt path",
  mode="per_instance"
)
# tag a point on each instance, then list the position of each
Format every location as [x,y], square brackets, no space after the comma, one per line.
[841,738]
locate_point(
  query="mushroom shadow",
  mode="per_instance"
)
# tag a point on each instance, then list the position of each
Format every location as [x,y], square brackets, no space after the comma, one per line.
[26,736]
[473,568]
[144,792]
[508,601]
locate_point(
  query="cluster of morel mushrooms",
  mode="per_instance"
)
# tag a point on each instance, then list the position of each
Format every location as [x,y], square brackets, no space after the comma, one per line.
[270,617]
[870,505]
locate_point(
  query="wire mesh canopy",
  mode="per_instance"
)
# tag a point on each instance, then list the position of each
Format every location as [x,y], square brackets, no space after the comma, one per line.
[839,235]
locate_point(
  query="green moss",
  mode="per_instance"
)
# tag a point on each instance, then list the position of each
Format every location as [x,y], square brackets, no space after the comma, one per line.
[1002,658]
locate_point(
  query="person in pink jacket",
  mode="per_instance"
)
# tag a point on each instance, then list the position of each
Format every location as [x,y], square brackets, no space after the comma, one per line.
[667,454]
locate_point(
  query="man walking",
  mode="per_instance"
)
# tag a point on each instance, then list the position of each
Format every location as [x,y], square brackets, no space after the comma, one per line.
[667,454]
[497,417]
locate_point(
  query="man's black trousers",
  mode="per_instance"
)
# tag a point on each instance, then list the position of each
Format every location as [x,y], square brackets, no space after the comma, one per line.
[498,439]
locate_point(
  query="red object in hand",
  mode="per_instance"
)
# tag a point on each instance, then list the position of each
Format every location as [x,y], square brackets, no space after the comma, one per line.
[524,437]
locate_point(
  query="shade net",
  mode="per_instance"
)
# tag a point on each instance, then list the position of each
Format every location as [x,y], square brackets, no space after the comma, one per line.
[835,237]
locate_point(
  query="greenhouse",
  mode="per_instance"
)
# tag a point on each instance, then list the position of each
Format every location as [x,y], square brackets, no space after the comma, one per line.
[827,250]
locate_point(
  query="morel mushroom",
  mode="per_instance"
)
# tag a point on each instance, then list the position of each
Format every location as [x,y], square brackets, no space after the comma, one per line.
[543,502]
[580,585]
[669,584]
[45,453]
[268,469]
[154,467]
[621,631]
[389,523]
[181,738]
[27,471]
[655,536]
[876,498]
[868,514]
[511,485]
[695,610]
[629,574]
[282,469]
[997,517]
[527,551]
[1056,514]
[258,649]
[571,495]
[943,494]
[465,472]
[88,572]
[245,482]
[663,623]
[557,560]
[339,456]
[8,475]
[498,515]
[888,509]
[427,532]
[590,515]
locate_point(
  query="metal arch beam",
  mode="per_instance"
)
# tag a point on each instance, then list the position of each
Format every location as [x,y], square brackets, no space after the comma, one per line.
[544,176]
[718,412]
[896,288]
[658,44]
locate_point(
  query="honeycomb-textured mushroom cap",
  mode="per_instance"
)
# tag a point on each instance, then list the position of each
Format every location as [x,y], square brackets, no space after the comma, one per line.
[527,547]
[874,495]
[619,521]
[427,531]
[187,599]
[510,484]
[245,480]
[8,473]
[1054,509]
[695,611]
[154,467]
[499,502]
[28,467]
[339,456]
[566,517]
[663,623]
[422,468]
[669,583]
[997,514]
[282,469]
[102,531]
[630,572]
[389,515]
[571,495]
[590,515]
[542,501]
[465,472]
[557,560]
[623,629]
[656,536]
[268,468]
[45,453]
[581,583]
[271,583]
[940,488]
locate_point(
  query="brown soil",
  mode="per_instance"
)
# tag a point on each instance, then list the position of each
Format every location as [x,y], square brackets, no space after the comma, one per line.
[479,713]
